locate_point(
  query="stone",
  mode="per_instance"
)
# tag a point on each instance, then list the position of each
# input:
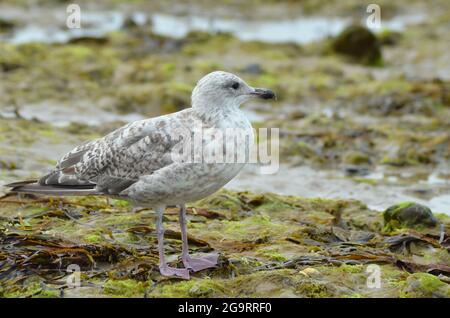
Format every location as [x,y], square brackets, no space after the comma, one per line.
[358,43]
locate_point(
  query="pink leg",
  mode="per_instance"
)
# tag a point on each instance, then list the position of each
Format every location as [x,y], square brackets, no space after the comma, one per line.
[196,264]
[165,269]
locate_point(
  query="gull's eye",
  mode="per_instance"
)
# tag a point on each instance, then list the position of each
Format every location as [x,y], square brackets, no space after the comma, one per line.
[235,85]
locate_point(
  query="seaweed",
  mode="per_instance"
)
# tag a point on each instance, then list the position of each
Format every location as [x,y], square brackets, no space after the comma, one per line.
[115,249]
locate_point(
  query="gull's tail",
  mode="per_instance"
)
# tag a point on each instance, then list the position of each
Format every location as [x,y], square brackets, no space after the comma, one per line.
[33,187]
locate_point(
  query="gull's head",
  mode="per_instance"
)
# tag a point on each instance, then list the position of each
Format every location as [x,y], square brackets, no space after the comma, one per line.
[225,90]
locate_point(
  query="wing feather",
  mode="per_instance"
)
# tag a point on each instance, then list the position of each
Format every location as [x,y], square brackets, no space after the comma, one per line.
[119,159]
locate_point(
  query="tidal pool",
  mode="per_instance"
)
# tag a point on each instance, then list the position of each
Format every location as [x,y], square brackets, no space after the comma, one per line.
[301,30]
[305,181]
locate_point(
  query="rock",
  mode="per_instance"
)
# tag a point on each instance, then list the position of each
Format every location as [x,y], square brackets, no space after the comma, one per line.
[359,43]
[425,285]
[408,214]
[88,40]
[356,158]
[356,170]
[130,23]
[390,38]
[309,271]
[6,25]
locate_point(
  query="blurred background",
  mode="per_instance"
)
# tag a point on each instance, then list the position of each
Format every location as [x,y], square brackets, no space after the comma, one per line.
[363,113]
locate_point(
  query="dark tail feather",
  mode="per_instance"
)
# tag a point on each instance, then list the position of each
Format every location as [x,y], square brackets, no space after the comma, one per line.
[33,187]
[20,183]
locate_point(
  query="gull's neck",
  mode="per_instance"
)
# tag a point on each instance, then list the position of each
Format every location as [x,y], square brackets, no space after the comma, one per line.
[218,115]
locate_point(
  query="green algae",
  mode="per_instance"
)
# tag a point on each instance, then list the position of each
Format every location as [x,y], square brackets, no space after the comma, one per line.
[32,288]
[314,290]
[194,288]
[351,268]
[356,158]
[264,248]
[125,288]
[92,238]
[425,285]
[273,255]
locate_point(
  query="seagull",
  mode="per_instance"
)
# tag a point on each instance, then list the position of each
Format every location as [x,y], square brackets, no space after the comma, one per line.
[137,163]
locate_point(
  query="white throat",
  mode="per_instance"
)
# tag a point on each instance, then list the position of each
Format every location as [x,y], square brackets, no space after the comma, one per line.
[214,112]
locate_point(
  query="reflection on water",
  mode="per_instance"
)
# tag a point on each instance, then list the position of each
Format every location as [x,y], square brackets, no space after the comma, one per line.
[301,30]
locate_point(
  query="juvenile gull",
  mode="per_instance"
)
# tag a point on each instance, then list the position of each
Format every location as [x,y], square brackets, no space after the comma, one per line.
[136,162]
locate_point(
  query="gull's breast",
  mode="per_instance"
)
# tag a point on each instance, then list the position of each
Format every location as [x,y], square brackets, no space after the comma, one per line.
[182,182]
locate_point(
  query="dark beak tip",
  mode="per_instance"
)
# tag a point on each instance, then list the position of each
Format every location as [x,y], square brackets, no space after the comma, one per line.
[266,94]
[269,95]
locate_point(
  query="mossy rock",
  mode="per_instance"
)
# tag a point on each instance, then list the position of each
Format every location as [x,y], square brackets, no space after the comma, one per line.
[389,37]
[7,25]
[313,290]
[425,285]
[360,44]
[356,158]
[10,58]
[408,214]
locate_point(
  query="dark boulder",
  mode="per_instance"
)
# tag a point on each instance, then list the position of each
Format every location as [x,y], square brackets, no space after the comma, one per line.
[7,25]
[358,43]
[408,214]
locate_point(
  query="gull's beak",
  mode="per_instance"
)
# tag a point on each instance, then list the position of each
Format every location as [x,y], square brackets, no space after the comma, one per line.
[264,93]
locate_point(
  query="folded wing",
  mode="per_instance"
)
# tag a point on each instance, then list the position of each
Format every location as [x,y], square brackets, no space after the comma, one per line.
[110,164]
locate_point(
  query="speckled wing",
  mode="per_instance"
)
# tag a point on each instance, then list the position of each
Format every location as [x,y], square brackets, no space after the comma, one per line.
[114,162]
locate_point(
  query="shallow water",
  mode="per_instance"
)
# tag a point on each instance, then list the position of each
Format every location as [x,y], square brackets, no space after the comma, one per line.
[305,181]
[63,115]
[94,24]
[440,203]
[302,30]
